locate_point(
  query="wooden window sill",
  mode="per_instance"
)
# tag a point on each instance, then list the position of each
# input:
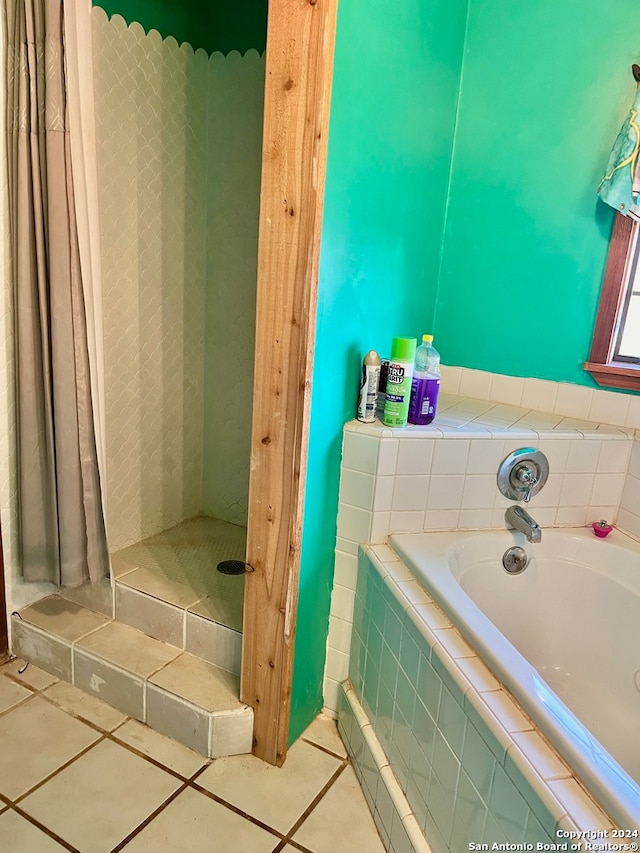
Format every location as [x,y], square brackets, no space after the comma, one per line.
[615,374]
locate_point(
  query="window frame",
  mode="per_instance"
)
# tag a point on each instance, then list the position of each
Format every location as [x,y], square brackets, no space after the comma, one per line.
[602,365]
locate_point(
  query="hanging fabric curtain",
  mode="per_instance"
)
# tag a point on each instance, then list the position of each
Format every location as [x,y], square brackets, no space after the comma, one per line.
[620,185]
[62,531]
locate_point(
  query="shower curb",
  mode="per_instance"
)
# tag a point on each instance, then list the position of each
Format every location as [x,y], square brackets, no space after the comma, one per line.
[214,727]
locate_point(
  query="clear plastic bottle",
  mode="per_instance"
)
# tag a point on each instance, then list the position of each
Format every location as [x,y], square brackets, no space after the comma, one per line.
[425,383]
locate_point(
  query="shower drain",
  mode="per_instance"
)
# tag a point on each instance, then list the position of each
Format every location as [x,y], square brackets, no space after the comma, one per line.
[232,567]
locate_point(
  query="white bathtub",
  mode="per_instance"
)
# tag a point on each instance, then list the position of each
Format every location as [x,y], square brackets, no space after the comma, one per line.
[563,637]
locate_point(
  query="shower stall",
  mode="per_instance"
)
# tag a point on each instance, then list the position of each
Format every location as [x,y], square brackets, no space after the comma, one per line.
[179,137]
[208,253]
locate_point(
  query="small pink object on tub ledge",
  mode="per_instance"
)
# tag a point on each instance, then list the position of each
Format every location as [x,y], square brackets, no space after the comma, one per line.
[602,528]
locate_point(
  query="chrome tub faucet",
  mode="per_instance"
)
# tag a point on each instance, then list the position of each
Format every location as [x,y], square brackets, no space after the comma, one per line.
[517,517]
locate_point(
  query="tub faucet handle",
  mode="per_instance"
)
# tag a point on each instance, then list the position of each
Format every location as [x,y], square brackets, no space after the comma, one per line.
[526,476]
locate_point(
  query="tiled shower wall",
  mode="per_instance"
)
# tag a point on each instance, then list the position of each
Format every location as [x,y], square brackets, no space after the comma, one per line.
[629,514]
[179,147]
[233,200]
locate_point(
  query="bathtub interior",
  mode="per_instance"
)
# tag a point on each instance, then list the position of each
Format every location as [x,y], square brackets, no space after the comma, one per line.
[561,636]
[578,629]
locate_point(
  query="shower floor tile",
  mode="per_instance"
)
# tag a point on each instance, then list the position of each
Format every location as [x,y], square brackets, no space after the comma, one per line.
[179,566]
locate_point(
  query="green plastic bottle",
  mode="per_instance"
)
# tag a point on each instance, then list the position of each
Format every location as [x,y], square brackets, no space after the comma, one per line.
[396,405]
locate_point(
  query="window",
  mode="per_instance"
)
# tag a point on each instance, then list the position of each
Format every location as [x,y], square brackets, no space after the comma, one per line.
[615,352]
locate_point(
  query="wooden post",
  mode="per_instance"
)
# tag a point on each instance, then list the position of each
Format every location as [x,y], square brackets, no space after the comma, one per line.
[299,66]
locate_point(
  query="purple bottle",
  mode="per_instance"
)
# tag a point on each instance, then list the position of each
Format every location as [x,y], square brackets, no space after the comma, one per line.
[425,383]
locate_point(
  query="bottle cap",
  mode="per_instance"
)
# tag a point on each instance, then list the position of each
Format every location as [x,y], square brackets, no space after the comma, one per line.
[427,339]
[403,349]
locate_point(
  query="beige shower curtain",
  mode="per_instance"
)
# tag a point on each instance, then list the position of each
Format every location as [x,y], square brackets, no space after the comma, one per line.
[62,531]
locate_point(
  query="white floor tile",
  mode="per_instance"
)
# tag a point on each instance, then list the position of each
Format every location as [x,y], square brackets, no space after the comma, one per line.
[194,823]
[99,799]
[106,793]
[35,739]
[20,836]
[277,796]
[168,752]
[32,676]
[11,693]
[324,731]
[87,707]
[341,821]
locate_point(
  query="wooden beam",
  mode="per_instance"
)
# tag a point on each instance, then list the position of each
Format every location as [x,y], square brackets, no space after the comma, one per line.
[299,66]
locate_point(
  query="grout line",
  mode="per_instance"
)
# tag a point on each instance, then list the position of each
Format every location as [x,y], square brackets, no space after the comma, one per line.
[58,770]
[296,826]
[235,809]
[124,722]
[325,749]
[36,690]
[199,772]
[49,832]
[190,782]
[155,761]
[74,714]
[17,705]
[289,842]
[154,814]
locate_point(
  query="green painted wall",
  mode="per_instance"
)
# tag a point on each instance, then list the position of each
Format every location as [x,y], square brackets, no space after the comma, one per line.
[395,88]
[513,284]
[545,88]
[222,25]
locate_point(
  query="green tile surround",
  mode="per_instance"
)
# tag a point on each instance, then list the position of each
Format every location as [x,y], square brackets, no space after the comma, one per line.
[411,718]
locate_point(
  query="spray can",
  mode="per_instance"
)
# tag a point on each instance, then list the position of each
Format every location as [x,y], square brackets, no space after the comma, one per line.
[396,406]
[368,396]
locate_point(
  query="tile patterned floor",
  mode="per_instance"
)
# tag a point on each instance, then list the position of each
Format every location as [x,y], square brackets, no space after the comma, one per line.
[77,775]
